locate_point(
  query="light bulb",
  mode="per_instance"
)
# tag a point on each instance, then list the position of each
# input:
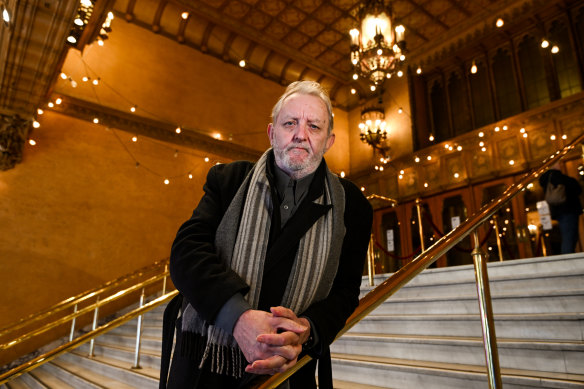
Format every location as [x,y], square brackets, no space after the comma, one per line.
[36,124]
[242,63]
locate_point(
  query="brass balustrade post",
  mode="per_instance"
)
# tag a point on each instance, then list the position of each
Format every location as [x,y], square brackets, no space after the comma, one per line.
[164,280]
[371,262]
[499,245]
[420,228]
[138,335]
[93,327]
[72,333]
[486,312]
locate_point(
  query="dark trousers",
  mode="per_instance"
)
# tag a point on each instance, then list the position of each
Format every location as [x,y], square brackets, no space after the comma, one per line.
[569,228]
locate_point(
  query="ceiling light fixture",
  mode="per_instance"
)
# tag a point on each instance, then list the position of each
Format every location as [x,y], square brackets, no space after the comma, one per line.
[374,129]
[377,47]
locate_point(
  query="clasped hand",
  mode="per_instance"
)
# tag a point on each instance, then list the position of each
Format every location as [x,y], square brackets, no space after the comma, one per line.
[270,341]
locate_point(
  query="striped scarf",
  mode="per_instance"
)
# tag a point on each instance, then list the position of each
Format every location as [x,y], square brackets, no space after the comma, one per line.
[242,246]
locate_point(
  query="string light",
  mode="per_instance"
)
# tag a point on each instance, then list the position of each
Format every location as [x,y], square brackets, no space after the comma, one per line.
[545,44]
[96,120]
[400,73]
[417,159]
[431,138]
[555,49]
[96,81]
[499,23]
[342,174]
[511,162]
[166,181]
[242,63]
[206,159]
[50,104]
[63,76]
[553,137]
[58,101]
[134,138]
[185,15]
[419,70]
[473,67]
[36,124]
[353,91]
[133,109]
[40,111]
[178,130]
[32,142]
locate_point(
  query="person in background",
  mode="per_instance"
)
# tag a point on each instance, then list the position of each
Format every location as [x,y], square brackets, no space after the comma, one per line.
[269,265]
[568,212]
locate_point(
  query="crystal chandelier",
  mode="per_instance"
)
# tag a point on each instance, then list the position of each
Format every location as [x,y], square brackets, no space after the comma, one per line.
[377,48]
[374,130]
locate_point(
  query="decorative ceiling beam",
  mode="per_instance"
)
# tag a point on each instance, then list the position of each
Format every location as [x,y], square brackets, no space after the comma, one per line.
[227,45]
[193,138]
[216,17]
[158,15]
[460,8]
[428,14]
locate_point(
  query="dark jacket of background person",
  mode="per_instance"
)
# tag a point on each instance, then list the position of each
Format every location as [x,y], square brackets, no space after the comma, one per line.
[573,191]
[567,213]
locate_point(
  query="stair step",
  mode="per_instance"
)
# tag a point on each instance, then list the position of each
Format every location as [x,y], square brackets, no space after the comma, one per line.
[551,327]
[145,378]
[559,357]
[504,277]
[548,302]
[403,374]
[338,384]
[65,375]
[21,383]
[89,377]
[124,355]
[49,380]
[129,341]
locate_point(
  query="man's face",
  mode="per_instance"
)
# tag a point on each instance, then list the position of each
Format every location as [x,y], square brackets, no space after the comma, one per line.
[300,136]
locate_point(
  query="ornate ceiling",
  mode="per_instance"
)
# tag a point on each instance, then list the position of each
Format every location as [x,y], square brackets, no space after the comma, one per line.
[288,40]
[281,40]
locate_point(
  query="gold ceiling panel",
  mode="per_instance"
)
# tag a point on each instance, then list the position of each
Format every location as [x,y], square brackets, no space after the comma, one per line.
[271,7]
[236,9]
[309,38]
[292,16]
[311,27]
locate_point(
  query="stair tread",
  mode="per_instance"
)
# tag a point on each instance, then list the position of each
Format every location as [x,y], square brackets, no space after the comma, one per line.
[131,349]
[505,342]
[466,316]
[340,384]
[49,380]
[144,371]
[494,296]
[458,367]
[91,376]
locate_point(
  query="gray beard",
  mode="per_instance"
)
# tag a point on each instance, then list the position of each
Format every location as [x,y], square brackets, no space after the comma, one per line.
[296,170]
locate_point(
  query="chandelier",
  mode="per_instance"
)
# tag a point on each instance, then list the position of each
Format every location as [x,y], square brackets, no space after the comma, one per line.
[374,130]
[377,48]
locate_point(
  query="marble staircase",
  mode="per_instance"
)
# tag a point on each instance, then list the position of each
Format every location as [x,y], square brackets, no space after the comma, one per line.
[428,335]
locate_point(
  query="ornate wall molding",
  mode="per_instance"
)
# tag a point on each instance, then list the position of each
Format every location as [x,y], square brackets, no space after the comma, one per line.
[134,124]
[13,134]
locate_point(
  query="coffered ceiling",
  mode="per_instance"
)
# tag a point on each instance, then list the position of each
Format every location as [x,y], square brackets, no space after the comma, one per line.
[281,40]
[288,40]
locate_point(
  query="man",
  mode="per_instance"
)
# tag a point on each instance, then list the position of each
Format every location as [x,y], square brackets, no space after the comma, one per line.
[568,212]
[270,262]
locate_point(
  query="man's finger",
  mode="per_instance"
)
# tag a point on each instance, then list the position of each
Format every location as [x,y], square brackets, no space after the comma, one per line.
[281,339]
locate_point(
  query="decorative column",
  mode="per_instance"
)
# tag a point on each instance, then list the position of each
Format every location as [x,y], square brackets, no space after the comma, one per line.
[13,134]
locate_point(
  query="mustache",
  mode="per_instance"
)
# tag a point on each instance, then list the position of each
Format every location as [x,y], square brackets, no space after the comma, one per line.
[297,144]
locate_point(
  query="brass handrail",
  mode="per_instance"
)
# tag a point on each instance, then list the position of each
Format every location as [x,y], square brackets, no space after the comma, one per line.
[71,301]
[381,293]
[89,308]
[50,355]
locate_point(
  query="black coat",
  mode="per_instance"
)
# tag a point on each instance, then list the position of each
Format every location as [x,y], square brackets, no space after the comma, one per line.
[207,284]
[573,190]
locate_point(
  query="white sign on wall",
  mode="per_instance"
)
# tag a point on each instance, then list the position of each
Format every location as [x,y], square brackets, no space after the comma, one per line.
[544,215]
[390,243]
[455,221]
